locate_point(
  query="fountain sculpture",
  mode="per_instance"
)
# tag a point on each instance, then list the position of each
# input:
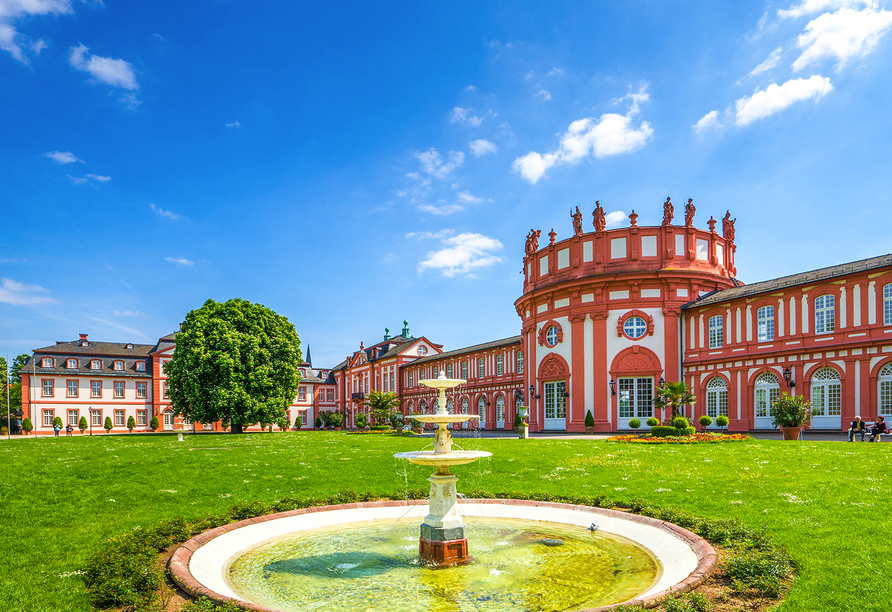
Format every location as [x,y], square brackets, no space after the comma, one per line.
[443,540]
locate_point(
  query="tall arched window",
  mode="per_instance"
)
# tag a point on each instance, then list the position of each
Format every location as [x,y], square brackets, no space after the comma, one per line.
[422,407]
[481,411]
[500,411]
[765,323]
[464,405]
[767,392]
[716,397]
[826,399]
[884,393]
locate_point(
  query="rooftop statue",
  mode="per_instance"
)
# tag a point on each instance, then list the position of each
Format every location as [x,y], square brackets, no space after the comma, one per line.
[668,212]
[577,221]
[728,230]
[600,221]
[689,210]
[533,241]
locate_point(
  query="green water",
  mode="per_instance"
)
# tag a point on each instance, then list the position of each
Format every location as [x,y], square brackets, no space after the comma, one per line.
[375,566]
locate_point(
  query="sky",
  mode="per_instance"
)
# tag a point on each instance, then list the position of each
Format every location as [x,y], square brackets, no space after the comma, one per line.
[351,165]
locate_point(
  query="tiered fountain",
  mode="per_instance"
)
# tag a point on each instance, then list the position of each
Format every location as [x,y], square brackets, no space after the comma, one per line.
[443,539]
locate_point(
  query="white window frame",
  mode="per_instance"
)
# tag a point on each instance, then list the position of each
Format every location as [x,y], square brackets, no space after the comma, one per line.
[464,369]
[551,336]
[120,418]
[96,417]
[122,387]
[765,324]
[635,327]
[884,391]
[500,365]
[825,314]
[481,367]
[716,397]
[142,393]
[140,366]
[301,394]
[95,364]
[48,384]
[73,416]
[716,331]
[48,416]
[71,364]
[141,416]
[68,388]
[119,366]
[481,411]
[93,388]
[46,362]
[887,304]
[519,360]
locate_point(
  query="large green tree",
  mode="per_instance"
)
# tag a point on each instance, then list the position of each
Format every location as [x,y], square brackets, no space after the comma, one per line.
[234,361]
[15,388]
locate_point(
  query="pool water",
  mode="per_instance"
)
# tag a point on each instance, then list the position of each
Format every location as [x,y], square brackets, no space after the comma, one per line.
[517,565]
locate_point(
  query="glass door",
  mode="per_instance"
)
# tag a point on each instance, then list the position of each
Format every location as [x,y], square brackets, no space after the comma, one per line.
[168,420]
[636,397]
[826,400]
[500,412]
[767,392]
[555,406]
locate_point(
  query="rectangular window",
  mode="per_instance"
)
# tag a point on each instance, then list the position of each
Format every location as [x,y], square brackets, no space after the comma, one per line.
[303,417]
[716,332]
[48,388]
[73,417]
[410,379]
[448,370]
[500,365]
[72,364]
[825,314]
[302,394]
[765,323]
[96,417]
[47,418]
[119,365]
[46,363]
[72,388]
[166,390]
[887,304]
[481,368]
[520,362]
[119,418]
[391,382]
[95,388]
[141,418]
[329,395]
[95,364]
[119,389]
[464,370]
[140,366]
[141,390]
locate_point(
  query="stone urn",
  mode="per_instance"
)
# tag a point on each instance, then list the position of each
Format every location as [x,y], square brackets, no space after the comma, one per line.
[791,433]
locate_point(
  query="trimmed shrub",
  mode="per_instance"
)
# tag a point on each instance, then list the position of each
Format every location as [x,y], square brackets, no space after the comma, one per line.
[634,423]
[661,431]
[154,424]
[589,419]
[82,424]
[687,431]
[721,421]
[653,422]
[58,421]
[706,420]
[298,423]
[107,426]
[380,427]
[361,420]
[680,422]
[318,422]
[28,426]
[336,419]
[131,423]
[517,420]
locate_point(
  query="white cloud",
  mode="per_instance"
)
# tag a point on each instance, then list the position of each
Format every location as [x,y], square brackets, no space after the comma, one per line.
[615,218]
[438,235]
[63,157]
[180,260]
[843,35]
[115,72]
[555,72]
[37,46]
[165,213]
[465,196]
[545,95]
[442,208]
[709,120]
[77,180]
[772,61]
[778,97]
[471,88]
[11,10]
[101,179]
[464,117]
[610,134]
[12,292]
[810,7]
[129,330]
[483,147]
[432,162]
[462,254]
[234,124]
[128,313]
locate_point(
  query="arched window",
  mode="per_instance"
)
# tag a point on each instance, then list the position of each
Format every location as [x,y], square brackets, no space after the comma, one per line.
[716,397]
[887,304]
[825,314]
[826,398]
[884,393]
[767,392]
[765,323]
[422,407]
[716,332]
[500,411]
[464,405]
[481,411]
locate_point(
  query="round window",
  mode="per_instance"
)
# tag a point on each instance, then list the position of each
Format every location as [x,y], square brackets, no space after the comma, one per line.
[551,336]
[635,327]
[422,350]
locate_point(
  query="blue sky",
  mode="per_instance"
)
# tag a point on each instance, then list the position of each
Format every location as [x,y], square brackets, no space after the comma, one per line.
[351,165]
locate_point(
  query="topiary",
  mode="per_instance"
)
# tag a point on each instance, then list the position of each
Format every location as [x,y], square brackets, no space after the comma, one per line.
[634,423]
[27,425]
[661,431]
[706,420]
[107,426]
[721,421]
[57,421]
[318,422]
[680,422]
[153,423]
[396,420]
[687,431]
[131,423]
[336,419]
[589,419]
[653,422]
[361,420]
[298,423]
[82,424]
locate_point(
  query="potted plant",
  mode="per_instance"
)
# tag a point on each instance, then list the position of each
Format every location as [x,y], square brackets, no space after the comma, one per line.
[722,421]
[318,422]
[153,424]
[28,426]
[417,426]
[107,425]
[790,413]
[361,421]
[298,423]
[283,423]
[336,419]
[590,422]
[634,424]
[705,421]
[396,421]
[131,423]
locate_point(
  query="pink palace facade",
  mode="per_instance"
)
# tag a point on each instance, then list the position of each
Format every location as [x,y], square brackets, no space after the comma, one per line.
[605,315]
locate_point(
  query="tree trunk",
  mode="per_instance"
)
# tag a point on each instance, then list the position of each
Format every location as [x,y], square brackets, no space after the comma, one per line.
[236,428]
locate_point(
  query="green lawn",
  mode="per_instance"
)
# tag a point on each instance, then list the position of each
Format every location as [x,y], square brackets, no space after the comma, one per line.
[827,502]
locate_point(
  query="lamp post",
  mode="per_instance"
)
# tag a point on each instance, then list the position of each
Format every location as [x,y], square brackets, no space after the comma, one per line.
[8,415]
[91,420]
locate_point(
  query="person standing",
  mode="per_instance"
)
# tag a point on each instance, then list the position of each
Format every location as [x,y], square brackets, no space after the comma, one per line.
[57,428]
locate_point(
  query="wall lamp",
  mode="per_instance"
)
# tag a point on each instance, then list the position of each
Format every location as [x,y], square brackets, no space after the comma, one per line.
[518,397]
[612,387]
[533,394]
[662,381]
[566,395]
[788,378]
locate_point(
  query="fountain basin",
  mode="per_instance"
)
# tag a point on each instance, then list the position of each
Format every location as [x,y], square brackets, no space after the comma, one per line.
[443,418]
[200,565]
[435,459]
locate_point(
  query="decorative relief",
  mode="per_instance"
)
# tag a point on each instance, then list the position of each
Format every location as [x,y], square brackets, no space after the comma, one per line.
[557,326]
[642,361]
[577,317]
[553,367]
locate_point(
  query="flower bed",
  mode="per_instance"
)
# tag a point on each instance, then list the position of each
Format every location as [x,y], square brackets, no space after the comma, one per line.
[699,438]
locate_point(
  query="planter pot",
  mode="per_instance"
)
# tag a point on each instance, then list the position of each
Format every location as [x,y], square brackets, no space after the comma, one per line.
[589,430]
[791,433]
[337,429]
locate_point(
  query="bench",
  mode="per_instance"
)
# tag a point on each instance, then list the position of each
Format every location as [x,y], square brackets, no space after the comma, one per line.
[867,426]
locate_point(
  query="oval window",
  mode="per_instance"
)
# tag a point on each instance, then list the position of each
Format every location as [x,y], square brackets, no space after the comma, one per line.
[422,350]
[551,336]
[635,327]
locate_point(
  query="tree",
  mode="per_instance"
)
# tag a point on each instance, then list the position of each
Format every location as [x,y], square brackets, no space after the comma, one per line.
[27,425]
[234,361]
[15,388]
[381,404]
[673,395]
[58,421]
[131,423]
[107,426]
[298,423]
[82,424]
[153,424]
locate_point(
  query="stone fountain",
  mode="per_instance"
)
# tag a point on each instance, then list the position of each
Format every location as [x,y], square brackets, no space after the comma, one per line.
[443,539]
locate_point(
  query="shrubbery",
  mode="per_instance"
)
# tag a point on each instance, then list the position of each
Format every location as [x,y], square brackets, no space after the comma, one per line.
[653,422]
[28,426]
[131,423]
[82,424]
[589,419]
[107,426]
[705,420]
[153,424]
[634,423]
[361,420]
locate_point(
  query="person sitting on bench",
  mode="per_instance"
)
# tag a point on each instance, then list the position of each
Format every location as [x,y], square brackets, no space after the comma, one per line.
[878,428]
[858,426]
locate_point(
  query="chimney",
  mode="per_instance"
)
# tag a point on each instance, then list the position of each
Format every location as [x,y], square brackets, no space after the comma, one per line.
[83,336]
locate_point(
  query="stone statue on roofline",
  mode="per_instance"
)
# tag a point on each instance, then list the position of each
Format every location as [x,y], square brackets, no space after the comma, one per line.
[728,230]
[689,210]
[600,221]
[533,241]
[577,221]
[668,212]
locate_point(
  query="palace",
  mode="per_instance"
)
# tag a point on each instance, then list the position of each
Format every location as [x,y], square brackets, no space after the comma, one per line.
[605,316]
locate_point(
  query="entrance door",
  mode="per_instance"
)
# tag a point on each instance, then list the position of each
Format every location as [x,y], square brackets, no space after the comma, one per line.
[716,399]
[168,420]
[636,397]
[555,406]
[500,412]
[481,411]
[826,400]
[767,392]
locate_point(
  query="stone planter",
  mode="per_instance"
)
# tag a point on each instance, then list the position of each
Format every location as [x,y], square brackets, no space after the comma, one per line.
[791,433]
[590,430]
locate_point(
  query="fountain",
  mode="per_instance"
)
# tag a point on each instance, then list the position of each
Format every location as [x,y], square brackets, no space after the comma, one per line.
[443,539]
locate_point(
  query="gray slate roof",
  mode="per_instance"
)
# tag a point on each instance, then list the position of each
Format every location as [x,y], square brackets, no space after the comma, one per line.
[470,349]
[803,278]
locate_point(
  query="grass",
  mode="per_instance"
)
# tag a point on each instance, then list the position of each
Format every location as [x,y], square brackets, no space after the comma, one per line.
[61,496]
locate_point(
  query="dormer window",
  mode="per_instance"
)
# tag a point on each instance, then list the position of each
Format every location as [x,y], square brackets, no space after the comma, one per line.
[95,364]
[84,343]
[71,364]
[130,346]
[119,365]
[46,362]
[140,366]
